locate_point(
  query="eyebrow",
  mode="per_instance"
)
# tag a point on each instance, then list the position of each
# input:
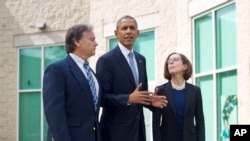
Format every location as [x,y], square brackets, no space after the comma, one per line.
[130,26]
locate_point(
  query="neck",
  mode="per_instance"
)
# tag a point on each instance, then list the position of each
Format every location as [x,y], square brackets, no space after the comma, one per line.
[178,84]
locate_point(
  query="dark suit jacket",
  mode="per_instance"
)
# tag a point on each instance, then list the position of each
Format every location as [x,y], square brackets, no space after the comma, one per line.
[120,121]
[165,130]
[68,103]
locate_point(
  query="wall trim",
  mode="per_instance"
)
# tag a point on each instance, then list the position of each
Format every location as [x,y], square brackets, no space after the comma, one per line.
[143,23]
[196,7]
[35,39]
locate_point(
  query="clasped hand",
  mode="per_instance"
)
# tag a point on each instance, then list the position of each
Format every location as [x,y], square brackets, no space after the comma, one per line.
[147,98]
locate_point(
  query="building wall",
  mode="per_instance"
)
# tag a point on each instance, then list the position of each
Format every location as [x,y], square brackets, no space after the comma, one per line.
[243,60]
[18,21]
[171,19]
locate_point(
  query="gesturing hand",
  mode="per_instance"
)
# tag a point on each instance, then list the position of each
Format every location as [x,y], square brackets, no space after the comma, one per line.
[157,100]
[140,97]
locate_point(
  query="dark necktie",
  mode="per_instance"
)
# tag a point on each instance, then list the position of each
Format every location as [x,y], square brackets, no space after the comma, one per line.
[132,66]
[91,83]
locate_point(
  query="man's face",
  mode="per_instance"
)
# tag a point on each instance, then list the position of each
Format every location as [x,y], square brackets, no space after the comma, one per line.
[127,33]
[86,46]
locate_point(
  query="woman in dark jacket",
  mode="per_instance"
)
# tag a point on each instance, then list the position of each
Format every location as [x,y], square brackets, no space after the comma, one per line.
[183,118]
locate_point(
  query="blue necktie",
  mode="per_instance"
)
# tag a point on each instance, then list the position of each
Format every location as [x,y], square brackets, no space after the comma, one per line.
[132,66]
[91,83]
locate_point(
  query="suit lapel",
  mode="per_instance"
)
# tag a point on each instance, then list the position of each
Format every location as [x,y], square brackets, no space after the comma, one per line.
[170,97]
[80,77]
[124,64]
[140,64]
[189,96]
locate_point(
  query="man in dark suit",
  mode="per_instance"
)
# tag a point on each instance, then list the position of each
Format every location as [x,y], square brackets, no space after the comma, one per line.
[124,85]
[71,93]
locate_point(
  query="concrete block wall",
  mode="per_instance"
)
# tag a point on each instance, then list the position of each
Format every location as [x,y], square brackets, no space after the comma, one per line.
[18,21]
[243,60]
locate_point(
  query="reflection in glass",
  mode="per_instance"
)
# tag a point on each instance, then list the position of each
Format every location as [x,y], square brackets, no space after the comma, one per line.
[29,116]
[30,68]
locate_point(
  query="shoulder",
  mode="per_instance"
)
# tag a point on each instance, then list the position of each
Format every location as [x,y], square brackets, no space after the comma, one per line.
[139,55]
[59,63]
[195,88]
[192,86]
[163,86]
[110,54]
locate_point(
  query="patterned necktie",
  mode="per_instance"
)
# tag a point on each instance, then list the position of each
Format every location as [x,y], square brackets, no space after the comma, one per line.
[132,67]
[91,83]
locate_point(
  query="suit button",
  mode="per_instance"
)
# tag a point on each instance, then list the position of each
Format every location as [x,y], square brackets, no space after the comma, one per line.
[94,128]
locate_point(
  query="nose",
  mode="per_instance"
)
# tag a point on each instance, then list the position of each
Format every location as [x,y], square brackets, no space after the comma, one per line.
[96,44]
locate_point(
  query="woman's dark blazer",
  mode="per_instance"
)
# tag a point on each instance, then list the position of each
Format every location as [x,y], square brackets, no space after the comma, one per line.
[164,120]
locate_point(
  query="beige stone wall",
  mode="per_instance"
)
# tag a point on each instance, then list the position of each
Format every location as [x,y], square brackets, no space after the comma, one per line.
[18,19]
[8,84]
[243,60]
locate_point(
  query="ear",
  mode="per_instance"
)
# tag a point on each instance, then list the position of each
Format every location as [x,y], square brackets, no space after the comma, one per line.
[138,33]
[76,43]
[184,66]
[115,32]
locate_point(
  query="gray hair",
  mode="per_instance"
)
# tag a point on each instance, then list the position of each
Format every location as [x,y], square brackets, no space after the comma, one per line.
[125,17]
[75,33]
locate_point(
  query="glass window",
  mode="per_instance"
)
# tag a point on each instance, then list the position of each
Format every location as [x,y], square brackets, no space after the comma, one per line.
[206,85]
[29,116]
[216,71]
[203,44]
[53,53]
[227,101]
[225,37]
[30,68]
[32,63]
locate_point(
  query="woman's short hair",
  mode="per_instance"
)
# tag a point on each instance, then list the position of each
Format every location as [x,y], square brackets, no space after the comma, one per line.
[187,73]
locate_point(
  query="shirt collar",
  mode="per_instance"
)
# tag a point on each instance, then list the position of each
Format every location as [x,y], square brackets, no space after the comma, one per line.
[124,50]
[79,61]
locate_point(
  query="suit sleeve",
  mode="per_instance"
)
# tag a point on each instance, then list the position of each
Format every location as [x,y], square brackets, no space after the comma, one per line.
[54,103]
[104,74]
[156,122]
[199,117]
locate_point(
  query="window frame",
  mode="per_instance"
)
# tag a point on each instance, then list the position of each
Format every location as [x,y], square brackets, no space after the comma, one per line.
[215,71]
[39,90]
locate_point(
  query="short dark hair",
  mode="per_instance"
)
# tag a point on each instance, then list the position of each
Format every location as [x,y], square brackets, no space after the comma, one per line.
[187,73]
[75,33]
[126,17]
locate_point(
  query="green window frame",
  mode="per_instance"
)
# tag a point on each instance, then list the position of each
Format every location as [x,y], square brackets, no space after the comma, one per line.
[33,61]
[216,69]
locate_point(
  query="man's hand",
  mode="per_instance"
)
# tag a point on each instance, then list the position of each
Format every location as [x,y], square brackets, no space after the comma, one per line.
[140,97]
[157,100]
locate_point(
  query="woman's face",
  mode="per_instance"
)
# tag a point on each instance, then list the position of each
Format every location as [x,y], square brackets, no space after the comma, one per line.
[175,65]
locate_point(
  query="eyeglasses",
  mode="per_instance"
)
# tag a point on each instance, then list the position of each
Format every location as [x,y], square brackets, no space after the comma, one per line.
[175,59]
